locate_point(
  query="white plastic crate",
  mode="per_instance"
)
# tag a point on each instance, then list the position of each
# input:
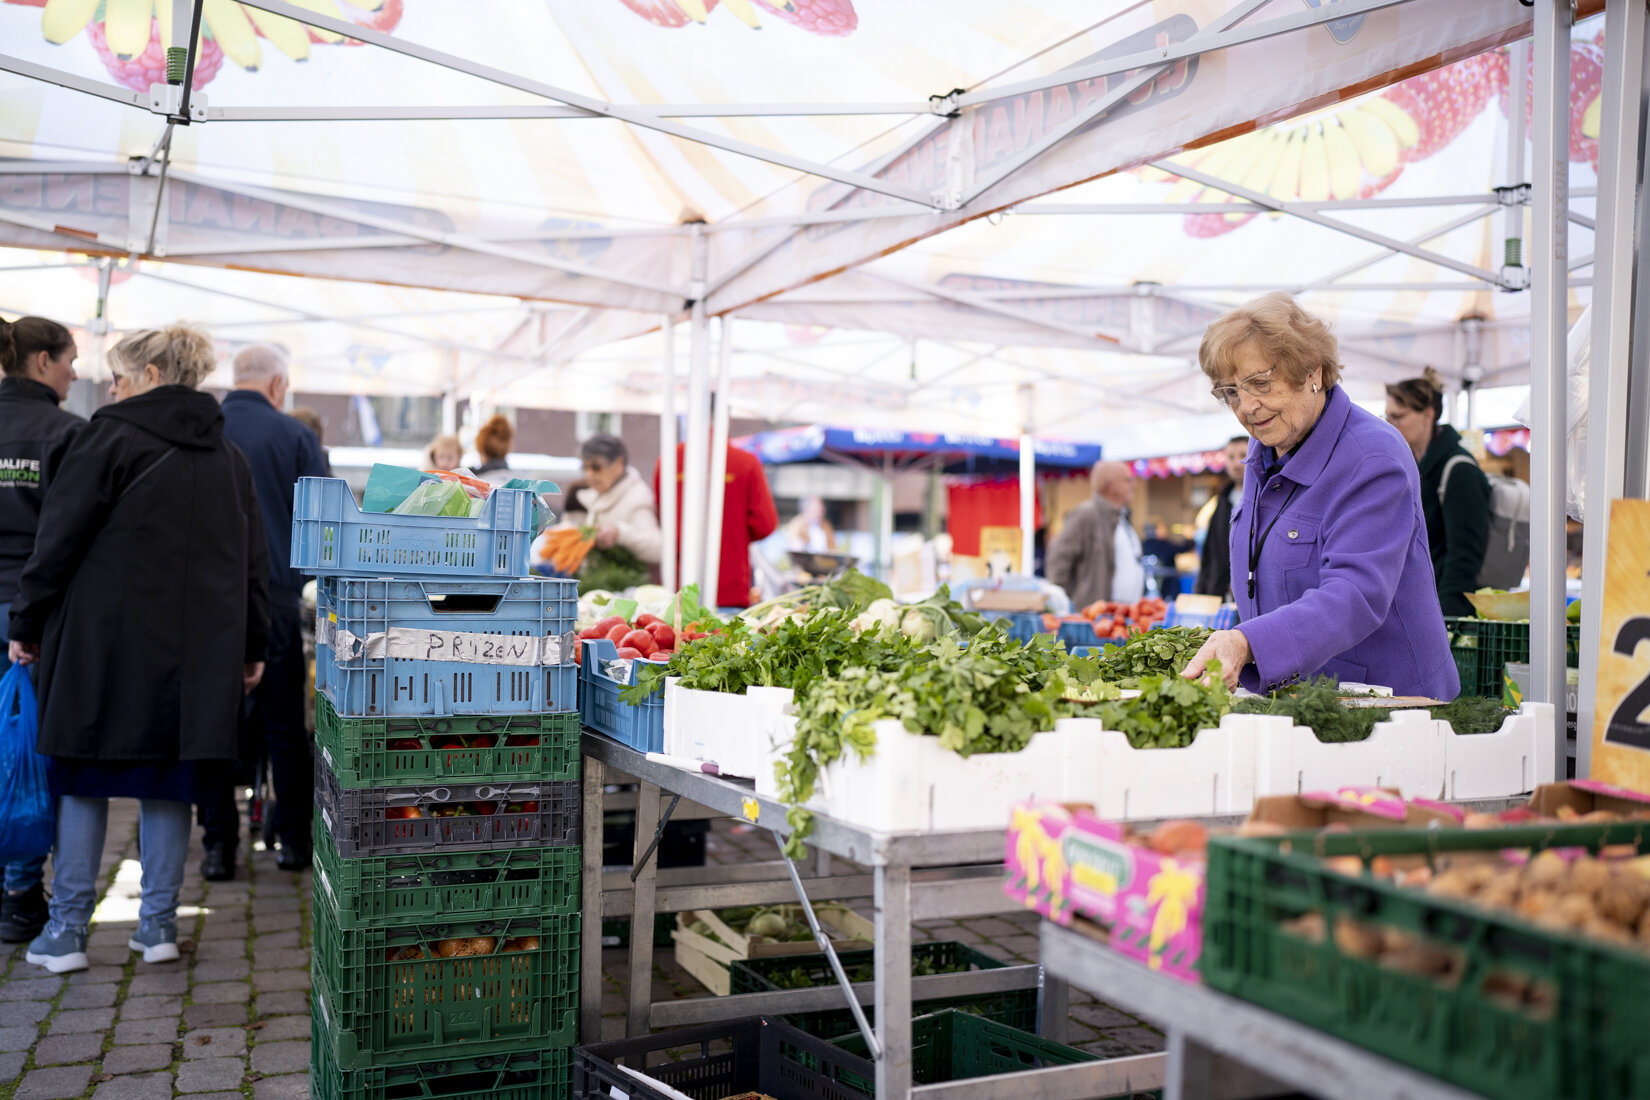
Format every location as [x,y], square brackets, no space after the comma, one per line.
[734,731]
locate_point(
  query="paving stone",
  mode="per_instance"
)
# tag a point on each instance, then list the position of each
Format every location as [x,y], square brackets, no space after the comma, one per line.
[278,922]
[83,1020]
[114,955]
[89,996]
[220,1015]
[149,1008]
[11,1066]
[103,973]
[211,1074]
[1106,1048]
[276,1028]
[1102,1017]
[281,1004]
[23,1013]
[159,1029]
[151,982]
[293,1086]
[139,1059]
[224,928]
[220,949]
[30,988]
[217,1096]
[111,935]
[272,1058]
[222,970]
[56,1083]
[223,993]
[147,1086]
[214,1042]
[275,939]
[277,981]
[281,958]
[1142,1039]
[57,1050]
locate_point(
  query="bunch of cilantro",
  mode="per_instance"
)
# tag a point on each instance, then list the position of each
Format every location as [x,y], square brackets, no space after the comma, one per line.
[1164,652]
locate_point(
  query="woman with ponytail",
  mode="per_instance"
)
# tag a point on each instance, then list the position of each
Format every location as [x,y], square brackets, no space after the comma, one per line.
[1455,494]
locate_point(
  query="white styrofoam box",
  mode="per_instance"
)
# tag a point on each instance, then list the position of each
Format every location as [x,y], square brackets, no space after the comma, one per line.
[734,731]
[1215,774]
[1405,754]
[911,784]
[1517,758]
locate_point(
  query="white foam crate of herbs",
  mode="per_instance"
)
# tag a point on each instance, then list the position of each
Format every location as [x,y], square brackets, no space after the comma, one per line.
[1213,775]
[734,731]
[912,785]
[1519,757]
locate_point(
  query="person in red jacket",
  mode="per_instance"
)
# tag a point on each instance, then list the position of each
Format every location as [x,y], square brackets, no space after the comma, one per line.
[748,515]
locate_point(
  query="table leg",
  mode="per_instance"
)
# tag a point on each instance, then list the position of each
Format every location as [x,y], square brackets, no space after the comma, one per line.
[590,904]
[893,977]
[1053,1008]
[1199,1072]
[640,990]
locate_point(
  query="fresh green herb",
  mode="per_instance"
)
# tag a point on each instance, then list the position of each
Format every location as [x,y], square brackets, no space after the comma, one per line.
[1164,652]
[1473,714]
[1169,710]
[612,570]
[1319,706]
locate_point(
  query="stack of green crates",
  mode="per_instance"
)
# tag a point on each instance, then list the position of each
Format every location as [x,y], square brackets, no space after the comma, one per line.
[446,919]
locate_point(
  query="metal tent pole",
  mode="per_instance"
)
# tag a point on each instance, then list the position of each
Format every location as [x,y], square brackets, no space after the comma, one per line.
[1028,484]
[668,496]
[1549,324]
[1609,393]
[718,486]
[698,428]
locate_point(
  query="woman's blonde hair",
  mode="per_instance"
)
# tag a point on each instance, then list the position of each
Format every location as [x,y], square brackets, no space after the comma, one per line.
[1285,335]
[183,354]
[1420,394]
[437,444]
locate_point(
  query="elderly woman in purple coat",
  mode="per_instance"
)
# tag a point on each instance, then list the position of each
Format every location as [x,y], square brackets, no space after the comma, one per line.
[1330,564]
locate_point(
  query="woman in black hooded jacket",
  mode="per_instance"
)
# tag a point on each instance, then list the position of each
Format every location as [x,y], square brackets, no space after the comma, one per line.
[146,603]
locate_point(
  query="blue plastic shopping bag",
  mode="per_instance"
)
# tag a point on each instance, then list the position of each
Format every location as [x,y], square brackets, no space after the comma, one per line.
[28,813]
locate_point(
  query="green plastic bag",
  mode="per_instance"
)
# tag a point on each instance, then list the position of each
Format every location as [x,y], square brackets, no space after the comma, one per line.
[542,515]
[388,486]
[436,498]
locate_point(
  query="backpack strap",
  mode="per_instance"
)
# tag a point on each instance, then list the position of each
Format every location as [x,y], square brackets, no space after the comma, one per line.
[1449,468]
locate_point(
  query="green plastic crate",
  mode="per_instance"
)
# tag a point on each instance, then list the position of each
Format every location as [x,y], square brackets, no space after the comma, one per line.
[404,751]
[1463,646]
[380,1011]
[1589,1046]
[1495,644]
[524,1075]
[958,1046]
[396,890]
[1014,1007]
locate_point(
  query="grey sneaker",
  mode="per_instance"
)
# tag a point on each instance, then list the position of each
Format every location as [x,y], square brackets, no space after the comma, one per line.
[58,949]
[157,939]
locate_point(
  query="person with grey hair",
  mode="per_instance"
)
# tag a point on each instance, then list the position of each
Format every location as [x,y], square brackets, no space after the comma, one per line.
[616,501]
[145,604]
[280,450]
[1096,555]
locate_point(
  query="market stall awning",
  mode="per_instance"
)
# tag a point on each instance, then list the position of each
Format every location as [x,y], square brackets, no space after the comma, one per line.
[816,442]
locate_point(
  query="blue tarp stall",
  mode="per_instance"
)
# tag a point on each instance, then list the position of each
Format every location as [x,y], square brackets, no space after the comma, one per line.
[892,452]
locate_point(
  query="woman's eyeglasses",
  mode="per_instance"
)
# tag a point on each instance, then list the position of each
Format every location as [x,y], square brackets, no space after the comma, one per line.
[1256,385]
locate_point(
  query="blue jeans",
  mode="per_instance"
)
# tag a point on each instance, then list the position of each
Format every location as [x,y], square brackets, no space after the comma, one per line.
[25,874]
[163,832]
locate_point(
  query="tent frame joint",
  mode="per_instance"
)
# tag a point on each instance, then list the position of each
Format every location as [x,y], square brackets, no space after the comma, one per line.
[946,105]
[1517,194]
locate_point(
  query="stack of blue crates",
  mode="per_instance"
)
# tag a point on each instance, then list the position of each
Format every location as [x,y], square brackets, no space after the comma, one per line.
[446,907]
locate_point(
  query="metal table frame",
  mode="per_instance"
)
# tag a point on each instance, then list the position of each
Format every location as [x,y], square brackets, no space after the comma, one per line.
[912,877]
[1221,1048]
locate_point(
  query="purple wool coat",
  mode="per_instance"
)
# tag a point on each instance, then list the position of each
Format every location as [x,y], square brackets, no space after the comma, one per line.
[1343,584]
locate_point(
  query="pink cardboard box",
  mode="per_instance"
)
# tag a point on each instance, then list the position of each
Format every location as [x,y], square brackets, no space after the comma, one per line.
[1064,862]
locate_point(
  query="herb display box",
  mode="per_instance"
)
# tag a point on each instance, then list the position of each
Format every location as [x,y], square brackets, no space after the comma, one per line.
[737,732]
[708,958]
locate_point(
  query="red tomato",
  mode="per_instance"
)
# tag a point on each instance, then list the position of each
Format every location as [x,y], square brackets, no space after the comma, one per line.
[522,739]
[662,657]
[662,635]
[591,633]
[406,744]
[616,634]
[626,651]
[608,624]
[645,621]
[639,639]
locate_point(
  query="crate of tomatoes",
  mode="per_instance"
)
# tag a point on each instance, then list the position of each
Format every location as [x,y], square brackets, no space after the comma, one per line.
[1117,622]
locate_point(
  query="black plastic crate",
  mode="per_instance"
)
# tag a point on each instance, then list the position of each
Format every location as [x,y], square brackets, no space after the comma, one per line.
[756,1054]
[373,822]
[1016,1008]
[683,843]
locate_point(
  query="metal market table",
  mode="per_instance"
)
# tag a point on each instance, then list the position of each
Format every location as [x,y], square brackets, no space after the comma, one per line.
[1221,1048]
[912,877]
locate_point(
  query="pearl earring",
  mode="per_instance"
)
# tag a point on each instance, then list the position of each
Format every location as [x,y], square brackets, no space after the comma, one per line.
[1314,389]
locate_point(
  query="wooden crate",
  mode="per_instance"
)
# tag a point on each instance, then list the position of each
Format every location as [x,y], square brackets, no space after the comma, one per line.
[708,960]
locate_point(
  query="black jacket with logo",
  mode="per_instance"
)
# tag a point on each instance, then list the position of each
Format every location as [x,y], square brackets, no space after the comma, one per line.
[34,433]
[148,587]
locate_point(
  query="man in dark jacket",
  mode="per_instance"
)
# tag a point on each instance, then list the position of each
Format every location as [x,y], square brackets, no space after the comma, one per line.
[1214,567]
[37,356]
[280,450]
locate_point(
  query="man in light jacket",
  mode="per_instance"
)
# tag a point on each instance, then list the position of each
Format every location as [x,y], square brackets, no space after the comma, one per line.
[1083,559]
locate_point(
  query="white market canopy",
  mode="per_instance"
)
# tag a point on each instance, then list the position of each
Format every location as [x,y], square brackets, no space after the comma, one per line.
[924,215]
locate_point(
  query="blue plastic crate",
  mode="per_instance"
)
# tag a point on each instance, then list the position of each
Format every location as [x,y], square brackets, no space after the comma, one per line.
[1076,635]
[1022,625]
[1220,620]
[641,726]
[355,616]
[332,537]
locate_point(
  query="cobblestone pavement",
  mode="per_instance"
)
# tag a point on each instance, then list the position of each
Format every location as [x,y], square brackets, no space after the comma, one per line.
[231,1017]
